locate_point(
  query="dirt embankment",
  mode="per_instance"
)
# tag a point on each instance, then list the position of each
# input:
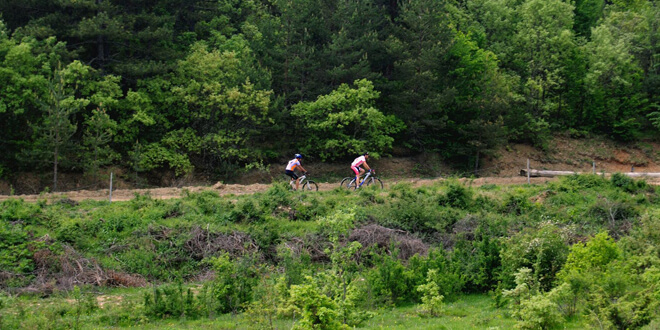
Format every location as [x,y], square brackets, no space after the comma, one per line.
[564,154]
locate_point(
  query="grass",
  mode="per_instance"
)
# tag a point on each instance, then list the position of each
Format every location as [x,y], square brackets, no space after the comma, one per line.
[114,309]
[119,308]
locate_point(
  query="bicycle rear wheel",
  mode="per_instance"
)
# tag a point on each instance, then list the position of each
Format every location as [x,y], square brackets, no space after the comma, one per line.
[350,184]
[310,186]
[345,181]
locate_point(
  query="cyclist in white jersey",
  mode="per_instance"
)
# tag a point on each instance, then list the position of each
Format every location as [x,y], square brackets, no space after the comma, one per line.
[357,164]
[291,166]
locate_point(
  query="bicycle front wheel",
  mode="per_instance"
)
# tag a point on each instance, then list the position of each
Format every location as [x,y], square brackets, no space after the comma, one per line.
[374,182]
[310,186]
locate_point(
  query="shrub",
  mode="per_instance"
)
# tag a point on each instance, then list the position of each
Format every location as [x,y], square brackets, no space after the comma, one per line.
[431,297]
[171,301]
[478,262]
[246,210]
[207,202]
[543,250]
[457,196]
[596,254]
[537,312]
[628,184]
[317,310]
[234,282]
[448,275]
[390,281]
[19,211]
[516,202]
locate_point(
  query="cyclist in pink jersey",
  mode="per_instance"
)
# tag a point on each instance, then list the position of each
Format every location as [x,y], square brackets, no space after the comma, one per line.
[357,164]
[291,166]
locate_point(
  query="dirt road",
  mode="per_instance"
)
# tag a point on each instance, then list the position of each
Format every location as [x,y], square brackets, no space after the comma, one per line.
[235,189]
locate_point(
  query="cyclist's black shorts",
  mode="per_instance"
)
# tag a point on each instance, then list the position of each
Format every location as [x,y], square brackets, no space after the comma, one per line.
[291,174]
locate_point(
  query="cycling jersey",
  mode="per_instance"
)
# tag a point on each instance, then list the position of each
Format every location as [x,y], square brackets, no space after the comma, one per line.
[292,164]
[358,161]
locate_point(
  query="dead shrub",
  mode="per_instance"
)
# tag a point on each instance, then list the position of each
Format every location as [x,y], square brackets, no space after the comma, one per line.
[313,246]
[386,239]
[65,270]
[204,244]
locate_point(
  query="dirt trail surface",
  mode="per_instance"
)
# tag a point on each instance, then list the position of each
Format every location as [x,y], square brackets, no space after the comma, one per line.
[238,189]
[235,189]
[565,154]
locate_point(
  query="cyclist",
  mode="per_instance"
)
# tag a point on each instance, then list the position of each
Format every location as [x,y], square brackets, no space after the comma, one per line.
[357,163]
[291,166]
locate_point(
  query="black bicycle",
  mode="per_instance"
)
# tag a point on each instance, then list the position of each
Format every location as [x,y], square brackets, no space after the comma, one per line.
[370,180]
[306,185]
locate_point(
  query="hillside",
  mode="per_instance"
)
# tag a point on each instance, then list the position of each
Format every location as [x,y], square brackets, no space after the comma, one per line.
[504,167]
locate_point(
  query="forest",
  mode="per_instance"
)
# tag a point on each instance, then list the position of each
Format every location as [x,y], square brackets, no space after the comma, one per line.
[212,87]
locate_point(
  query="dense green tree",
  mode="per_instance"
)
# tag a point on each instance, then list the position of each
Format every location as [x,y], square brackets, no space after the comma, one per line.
[544,43]
[481,95]
[209,110]
[345,122]
[587,14]
[416,96]
[613,85]
[99,130]
[53,134]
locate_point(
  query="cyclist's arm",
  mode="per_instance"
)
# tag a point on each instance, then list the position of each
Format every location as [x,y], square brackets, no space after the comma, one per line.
[302,168]
[367,166]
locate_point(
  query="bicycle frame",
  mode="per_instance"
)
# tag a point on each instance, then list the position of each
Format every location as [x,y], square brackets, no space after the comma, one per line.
[364,179]
[302,179]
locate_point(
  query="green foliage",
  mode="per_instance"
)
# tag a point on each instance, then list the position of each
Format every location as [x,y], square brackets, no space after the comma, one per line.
[542,250]
[317,310]
[346,122]
[234,284]
[431,297]
[478,261]
[467,250]
[516,203]
[390,281]
[457,196]
[170,301]
[628,184]
[537,312]
[596,254]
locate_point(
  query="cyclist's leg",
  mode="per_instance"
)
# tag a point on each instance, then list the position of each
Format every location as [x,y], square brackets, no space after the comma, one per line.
[293,177]
[362,171]
[358,171]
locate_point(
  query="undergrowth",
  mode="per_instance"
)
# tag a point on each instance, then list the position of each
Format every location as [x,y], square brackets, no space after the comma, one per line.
[337,258]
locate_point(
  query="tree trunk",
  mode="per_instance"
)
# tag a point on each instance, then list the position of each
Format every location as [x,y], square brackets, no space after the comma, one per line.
[56,156]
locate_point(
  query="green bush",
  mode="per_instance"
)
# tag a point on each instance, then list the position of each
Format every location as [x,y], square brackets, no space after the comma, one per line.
[235,280]
[544,250]
[479,263]
[516,202]
[317,310]
[17,210]
[390,281]
[172,301]
[448,275]
[537,312]
[246,210]
[431,298]
[629,185]
[457,196]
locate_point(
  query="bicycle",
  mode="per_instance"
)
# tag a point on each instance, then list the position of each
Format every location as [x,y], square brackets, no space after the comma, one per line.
[369,180]
[306,185]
